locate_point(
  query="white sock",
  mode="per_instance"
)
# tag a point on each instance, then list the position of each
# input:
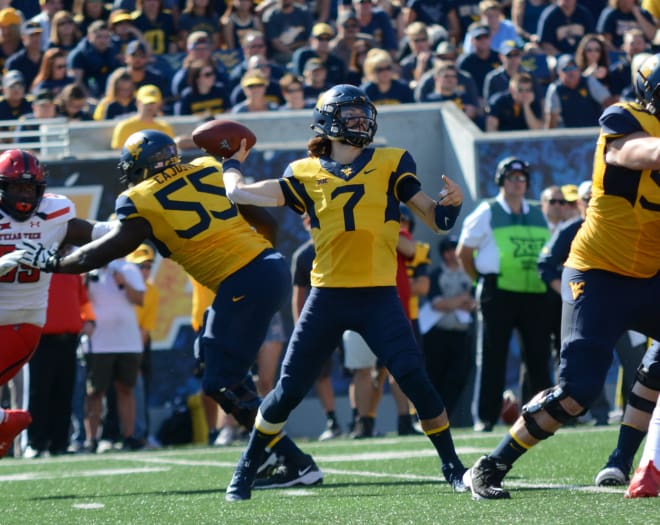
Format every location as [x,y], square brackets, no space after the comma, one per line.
[652,446]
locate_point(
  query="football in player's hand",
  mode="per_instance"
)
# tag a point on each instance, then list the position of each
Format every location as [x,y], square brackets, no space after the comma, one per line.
[222,137]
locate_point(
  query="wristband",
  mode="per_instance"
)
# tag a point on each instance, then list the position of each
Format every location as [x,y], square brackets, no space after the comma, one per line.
[52,264]
[231,164]
[445,216]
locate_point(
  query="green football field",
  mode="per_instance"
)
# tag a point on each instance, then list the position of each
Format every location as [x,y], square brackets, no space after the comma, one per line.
[387,480]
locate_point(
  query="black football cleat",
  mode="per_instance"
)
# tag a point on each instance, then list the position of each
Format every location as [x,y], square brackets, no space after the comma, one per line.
[240,486]
[485,477]
[302,471]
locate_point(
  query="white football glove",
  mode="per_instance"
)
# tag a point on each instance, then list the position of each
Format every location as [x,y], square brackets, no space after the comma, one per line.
[9,261]
[38,256]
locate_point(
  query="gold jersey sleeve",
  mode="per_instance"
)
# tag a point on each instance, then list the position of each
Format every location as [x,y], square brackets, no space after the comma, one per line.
[193,222]
[354,215]
[621,232]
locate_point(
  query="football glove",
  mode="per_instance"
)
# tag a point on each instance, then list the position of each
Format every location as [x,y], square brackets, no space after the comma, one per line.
[9,261]
[38,256]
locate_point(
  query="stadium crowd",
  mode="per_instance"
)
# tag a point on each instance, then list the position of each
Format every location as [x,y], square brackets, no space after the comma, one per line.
[510,65]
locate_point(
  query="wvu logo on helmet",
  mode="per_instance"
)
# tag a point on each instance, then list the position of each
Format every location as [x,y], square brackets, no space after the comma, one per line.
[134,145]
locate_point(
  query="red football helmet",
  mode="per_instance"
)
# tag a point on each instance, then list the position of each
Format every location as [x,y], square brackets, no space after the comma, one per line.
[22,183]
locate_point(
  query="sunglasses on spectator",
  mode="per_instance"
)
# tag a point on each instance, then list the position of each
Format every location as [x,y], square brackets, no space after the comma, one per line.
[59,66]
[294,89]
[383,68]
[420,39]
[208,74]
[560,202]
[592,49]
[64,23]
[525,90]
[324,38]
[516,178]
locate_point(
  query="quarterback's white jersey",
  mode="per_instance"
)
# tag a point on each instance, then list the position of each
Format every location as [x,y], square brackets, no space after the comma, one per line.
[24,290]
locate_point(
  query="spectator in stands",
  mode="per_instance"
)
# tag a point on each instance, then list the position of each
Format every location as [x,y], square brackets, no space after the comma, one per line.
[355,72]
[119,98]
[64,33]
[622,15]
[204,97]
[315,76]
[482,60]
[237,20]
[253,43]
[435,13]
[497,80]
[44,19]
[72,103]
[288,26]
[375,22]
[89,11]
[293,92]
[420,59]
[254,85]
[142,73]
[574,100]
[123,31]
[446,51]
[518,108]
[445,75]
[348,29]
[562,25]
[93,59]
[380,85]
[199,15]
[620,78]
[261,65]
[525,16]
[11,21]
[43,107]
[593,59]
[52,74]
[157,25]
[198,48]
[319,47]
[500,29]
[28,59]
[149,105]
[468,14]
[53,366]
[552,207]
[13,103]
[394,10]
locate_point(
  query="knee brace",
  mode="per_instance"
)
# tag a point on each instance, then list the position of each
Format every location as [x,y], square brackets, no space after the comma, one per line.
[548,400]
[239,400]
[648,376]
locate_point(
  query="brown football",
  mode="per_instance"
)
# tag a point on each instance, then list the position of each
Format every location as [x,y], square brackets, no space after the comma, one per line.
[222,137]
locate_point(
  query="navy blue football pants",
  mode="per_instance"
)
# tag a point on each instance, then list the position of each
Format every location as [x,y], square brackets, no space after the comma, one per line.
[236,323]
[598,307]
[377,315]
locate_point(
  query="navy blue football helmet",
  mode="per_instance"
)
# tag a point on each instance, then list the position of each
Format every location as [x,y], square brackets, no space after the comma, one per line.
[329,121]
[647,84]
[144,154]
[509,164]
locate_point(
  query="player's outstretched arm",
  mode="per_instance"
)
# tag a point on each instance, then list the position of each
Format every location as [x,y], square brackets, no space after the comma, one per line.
[262,193]
[440,215]
[118,242]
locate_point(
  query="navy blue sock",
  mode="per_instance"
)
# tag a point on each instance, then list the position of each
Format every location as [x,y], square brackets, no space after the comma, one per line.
[629,441]
[508,451]
[444,444]
[285,447]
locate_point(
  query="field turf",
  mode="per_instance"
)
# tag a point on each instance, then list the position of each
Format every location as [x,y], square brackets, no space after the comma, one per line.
[389,480]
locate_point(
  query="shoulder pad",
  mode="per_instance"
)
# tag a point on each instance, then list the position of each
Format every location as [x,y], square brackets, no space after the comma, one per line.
[56,207]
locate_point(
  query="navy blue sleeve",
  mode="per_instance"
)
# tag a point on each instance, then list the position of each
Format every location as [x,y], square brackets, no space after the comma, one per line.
[616,120]
[550,263]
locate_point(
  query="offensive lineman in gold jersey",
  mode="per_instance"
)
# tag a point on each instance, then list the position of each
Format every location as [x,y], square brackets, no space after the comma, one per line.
[184,210]
[351,193]
[610,284]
